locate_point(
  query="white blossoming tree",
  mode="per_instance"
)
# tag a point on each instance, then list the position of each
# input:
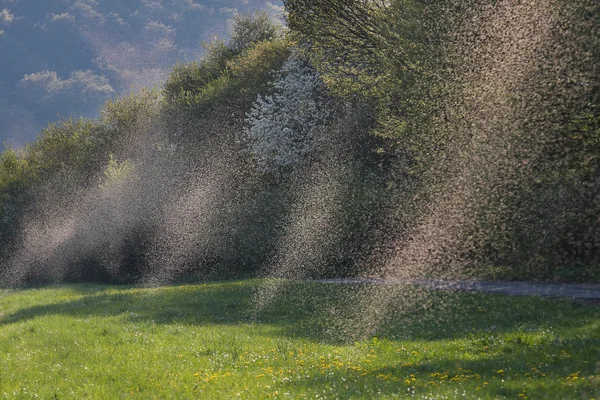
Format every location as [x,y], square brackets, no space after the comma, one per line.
[284,129]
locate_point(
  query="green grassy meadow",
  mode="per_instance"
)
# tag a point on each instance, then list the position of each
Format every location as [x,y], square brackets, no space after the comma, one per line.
[208,341]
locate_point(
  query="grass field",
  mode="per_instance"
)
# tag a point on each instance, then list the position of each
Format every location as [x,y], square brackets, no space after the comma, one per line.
[207,341]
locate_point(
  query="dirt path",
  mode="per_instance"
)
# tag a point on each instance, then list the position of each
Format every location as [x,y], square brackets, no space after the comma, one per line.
[582,291]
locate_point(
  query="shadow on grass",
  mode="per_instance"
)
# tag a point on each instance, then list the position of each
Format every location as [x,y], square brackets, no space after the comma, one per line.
[518,374]
[187,304]
[324,313]
[498,333]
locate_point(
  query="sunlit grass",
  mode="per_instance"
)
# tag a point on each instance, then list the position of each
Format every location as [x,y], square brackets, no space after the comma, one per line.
[207,341]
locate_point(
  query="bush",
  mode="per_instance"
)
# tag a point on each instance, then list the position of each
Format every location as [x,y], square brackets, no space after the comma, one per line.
[251,29]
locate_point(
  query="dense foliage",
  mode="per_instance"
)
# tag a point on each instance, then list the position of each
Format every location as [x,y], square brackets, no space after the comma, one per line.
[399,138]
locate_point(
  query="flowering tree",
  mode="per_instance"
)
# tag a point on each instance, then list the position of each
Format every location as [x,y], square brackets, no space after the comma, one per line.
[284,129]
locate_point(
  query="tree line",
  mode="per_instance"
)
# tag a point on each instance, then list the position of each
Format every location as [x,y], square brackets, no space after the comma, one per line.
[398,137]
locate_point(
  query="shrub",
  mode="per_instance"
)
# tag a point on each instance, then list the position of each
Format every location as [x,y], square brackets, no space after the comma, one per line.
[251,29]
